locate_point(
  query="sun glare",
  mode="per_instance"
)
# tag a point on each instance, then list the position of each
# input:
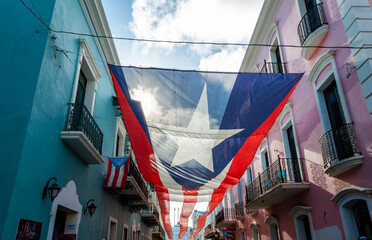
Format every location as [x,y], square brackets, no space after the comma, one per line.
[146,98]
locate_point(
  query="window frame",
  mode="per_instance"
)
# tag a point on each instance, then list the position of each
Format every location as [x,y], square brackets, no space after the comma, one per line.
[255,228]
[125,227]
[296,213]
[346,196]
[327,59]
[112,220]
[89,67]
[270,221]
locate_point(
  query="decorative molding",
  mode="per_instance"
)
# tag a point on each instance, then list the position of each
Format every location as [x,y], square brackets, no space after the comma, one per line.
[298,210]
[338,197]
[69,199]
[322,62]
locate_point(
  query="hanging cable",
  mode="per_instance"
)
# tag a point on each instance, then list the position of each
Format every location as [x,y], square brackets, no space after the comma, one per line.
[188,42]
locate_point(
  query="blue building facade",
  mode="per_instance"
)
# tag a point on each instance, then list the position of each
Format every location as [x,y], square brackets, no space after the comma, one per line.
[58,120]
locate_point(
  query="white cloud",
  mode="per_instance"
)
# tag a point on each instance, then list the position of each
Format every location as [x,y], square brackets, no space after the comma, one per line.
[228,59]
[207,20]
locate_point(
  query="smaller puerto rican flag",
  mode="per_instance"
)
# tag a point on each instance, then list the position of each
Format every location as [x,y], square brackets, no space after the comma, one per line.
[117,172]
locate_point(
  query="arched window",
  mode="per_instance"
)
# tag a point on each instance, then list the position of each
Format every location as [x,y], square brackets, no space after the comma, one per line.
[272,223]
[255,231]
[303,222]
[355,206]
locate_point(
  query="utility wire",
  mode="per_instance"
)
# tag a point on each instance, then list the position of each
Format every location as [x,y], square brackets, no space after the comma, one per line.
[188,42]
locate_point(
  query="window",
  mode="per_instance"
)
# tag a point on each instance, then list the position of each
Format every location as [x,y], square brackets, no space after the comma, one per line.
[240,198]
[272,223]
[120,138]
[289,138]
[86,78]
[125,232]
[355,206]
[276,57]
[112,228]
[231,198]
[265,161]
[249,175]
[242,235]
[255,232]
[303,222]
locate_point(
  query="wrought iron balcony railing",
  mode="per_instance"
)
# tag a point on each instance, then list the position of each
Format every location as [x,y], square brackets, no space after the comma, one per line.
[239,210]
[226,214]
[283,170]
[150,210]
[80,119]
[273,67]
[157,229]
[338,144]
[135,173]
[310,22]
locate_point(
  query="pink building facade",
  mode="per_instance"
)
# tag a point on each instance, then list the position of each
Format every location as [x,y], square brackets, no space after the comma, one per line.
[311,177]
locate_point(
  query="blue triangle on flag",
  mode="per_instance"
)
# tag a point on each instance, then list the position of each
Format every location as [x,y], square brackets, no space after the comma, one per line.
[118,162]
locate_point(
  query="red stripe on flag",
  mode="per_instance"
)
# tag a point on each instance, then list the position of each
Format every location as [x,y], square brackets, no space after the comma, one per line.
[190,198]
[240,163]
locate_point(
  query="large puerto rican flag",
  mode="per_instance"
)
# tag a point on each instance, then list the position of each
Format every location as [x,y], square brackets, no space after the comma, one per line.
[194,133]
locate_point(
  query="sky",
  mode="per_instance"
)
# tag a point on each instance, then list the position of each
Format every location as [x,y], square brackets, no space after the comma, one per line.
[182,20]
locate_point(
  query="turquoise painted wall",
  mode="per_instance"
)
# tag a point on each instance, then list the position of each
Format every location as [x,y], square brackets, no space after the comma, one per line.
[34,111]
[22,49]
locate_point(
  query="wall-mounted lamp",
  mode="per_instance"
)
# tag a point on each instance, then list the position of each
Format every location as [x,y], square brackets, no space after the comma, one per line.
[52,190]
[90,207]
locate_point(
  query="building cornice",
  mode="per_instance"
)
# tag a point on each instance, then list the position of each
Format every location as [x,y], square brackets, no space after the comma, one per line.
[265,20]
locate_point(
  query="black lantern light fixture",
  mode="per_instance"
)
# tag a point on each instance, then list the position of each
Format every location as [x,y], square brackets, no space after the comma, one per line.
[90,207]
[51,190]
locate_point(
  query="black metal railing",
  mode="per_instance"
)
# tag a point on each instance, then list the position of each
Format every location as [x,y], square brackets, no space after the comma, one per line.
[208,230]
[310,22]
[158,229]
[80,119]
[273,67]
[283,170]
[338,144]
[150,210]
[225,214]
[135,173]
[239,210]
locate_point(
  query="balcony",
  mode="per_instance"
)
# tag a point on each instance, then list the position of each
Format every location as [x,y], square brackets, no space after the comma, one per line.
[209,231]
[226,219]
[339,150]
[311,30]
[280,181]
[83,135]
[150,215]
[135,193]
[273,67]
[157,233]
[239,211]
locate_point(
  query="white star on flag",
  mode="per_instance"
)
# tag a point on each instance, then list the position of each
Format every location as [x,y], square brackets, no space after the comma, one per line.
[200,149]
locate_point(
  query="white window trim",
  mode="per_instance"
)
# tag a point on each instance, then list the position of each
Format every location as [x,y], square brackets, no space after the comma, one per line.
[323,61]
[254,226]
[299,211]
[283,130]
[125,226]
[112,219]
[120,130]
[88,65]
[264,149]
[270,220]
[345,196]
[274,37]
